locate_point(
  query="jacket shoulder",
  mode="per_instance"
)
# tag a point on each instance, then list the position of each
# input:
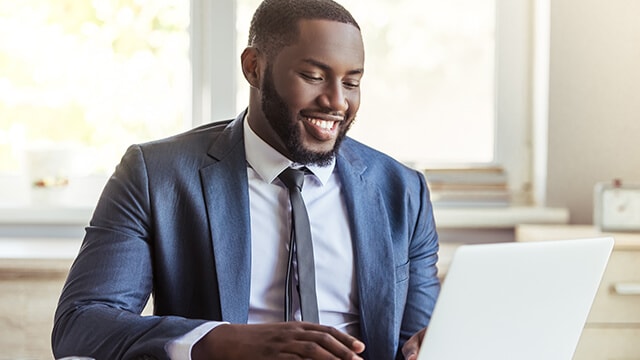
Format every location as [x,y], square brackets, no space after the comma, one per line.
[373,160]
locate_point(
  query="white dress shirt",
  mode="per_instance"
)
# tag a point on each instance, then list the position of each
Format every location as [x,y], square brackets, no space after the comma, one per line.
[270,233]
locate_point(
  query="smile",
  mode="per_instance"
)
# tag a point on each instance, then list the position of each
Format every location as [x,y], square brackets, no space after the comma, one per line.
[324,124]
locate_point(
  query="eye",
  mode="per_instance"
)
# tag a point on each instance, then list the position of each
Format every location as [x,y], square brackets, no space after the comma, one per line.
[351,84]
[310,77]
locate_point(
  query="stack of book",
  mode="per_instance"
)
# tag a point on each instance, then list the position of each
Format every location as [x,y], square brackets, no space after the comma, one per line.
[477,186]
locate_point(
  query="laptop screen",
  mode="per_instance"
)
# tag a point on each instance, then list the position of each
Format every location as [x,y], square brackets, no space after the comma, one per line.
[516,300]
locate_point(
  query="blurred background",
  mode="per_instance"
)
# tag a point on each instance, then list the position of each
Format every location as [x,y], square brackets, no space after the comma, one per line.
[514,110]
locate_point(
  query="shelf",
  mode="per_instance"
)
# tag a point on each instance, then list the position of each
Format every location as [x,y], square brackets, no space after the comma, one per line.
[483,217]
[45,215]
[507,217]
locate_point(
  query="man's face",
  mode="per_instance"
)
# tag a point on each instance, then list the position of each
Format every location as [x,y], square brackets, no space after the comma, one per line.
[310,92]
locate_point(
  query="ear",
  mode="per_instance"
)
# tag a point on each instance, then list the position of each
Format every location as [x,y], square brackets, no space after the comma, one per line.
[252,66]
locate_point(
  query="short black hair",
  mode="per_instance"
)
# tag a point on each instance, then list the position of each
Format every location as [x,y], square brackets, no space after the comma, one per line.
[275,22]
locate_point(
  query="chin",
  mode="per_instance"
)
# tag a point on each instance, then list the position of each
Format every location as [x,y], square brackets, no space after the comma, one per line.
[320,148]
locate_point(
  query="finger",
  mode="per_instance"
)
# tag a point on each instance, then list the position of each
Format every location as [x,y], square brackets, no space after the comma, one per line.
[348,350]
[349,341]
[412,346]
[410,351]
[311,350]
[322,342]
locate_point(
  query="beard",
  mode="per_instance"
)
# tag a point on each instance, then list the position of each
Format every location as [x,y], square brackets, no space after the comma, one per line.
[282,121]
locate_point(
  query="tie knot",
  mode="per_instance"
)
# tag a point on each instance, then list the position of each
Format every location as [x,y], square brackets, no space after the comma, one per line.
[292,178]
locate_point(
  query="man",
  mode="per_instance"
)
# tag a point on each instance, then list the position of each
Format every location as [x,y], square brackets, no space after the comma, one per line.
[202,221]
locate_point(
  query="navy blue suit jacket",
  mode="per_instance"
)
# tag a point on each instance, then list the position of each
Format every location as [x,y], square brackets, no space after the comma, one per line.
[174,220]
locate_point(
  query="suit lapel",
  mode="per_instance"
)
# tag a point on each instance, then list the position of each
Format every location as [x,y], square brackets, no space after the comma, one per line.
[226,195]
[373,256]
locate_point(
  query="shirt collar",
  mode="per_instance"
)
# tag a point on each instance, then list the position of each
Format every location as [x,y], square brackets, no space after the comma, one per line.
[269,163]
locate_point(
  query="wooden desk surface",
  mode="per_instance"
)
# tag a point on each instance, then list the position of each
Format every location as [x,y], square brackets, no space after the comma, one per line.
[623,240]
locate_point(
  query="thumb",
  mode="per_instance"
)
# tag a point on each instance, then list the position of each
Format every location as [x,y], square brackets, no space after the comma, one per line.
[410,350]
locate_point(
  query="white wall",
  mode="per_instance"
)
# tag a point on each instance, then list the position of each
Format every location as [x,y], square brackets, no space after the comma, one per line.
[594,100]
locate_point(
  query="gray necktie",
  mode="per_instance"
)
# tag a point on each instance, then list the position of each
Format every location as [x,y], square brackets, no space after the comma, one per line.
[301,239]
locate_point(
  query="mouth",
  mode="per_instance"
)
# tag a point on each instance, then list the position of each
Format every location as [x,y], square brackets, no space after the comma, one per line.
[322,127]
[323,124]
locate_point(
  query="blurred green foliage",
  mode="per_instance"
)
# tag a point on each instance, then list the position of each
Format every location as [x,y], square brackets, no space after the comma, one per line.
[100,73]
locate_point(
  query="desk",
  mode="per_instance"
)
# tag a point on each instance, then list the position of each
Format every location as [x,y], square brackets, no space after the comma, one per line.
[612,330]
[32,273]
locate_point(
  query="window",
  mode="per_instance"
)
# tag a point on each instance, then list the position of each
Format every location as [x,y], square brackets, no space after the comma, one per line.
[88,77]
[447,81]
[80,80]
[429,72]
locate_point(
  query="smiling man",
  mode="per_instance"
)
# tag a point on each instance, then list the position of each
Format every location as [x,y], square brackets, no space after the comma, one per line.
[308,114]
[202,221]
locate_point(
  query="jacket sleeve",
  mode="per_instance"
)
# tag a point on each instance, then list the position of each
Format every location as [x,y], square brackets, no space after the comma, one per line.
[424,285]
[99,312]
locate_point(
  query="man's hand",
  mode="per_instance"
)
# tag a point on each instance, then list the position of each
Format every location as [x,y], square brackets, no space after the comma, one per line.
[290,340]
[412,346]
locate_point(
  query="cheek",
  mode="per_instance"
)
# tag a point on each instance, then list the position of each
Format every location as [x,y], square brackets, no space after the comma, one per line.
[289,89]
[297,96]
[354,103]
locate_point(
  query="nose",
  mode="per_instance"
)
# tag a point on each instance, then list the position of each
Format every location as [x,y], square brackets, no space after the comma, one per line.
[334,97]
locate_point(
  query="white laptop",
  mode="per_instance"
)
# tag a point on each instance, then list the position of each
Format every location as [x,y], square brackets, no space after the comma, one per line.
[516,301]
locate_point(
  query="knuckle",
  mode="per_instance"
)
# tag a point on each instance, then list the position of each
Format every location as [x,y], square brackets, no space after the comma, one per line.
[334,332]
[326,338]
[311,347]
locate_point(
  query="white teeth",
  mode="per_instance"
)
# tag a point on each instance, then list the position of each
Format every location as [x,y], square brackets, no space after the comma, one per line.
[327,125]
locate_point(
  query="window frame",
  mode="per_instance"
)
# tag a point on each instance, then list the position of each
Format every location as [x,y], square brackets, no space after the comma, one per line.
[213,63]
[514,34]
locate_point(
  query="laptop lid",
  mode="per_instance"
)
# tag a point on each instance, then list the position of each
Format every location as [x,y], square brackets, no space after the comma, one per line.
[516,300]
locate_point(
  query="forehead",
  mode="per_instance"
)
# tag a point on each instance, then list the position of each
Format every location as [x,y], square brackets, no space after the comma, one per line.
[330,42]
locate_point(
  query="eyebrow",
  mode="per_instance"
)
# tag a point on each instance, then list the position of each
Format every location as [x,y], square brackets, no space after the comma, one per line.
[326,67]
